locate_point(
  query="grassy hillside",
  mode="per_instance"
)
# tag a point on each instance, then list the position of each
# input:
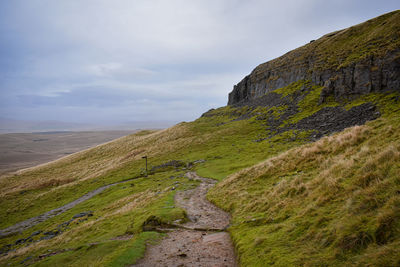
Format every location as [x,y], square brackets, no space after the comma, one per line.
[295,199]
[220,143]
[374,37]
[328,203]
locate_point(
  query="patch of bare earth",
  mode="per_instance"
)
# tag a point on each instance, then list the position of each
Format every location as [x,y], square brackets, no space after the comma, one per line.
[200,242]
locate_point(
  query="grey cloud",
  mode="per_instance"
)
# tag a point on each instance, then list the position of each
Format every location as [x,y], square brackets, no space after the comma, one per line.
[117,60]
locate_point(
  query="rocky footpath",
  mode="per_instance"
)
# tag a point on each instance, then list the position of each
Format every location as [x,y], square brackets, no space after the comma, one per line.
[202,241]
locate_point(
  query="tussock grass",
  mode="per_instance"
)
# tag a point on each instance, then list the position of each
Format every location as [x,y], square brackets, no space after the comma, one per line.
[125,207]
[284,201]
[332,202]
[119,210]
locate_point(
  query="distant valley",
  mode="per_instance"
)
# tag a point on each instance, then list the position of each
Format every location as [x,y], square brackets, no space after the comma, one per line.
[23,150]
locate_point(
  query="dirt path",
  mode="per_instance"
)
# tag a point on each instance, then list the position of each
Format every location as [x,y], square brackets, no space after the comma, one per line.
[21,226]
[188,247]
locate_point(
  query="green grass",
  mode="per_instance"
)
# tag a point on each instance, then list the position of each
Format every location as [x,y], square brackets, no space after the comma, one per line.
[339,49]
[265,227]
[110,218]
[222,146]
[135,250]
[334,202]
[110,253]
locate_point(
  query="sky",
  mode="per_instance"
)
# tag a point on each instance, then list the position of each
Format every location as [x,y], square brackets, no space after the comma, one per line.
[117,61]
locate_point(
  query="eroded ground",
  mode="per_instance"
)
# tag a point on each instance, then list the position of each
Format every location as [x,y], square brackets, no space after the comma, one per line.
[206,245]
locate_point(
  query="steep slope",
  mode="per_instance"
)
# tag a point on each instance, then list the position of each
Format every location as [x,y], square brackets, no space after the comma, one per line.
[334,202]
[111,228]
[309,88]
[358,60]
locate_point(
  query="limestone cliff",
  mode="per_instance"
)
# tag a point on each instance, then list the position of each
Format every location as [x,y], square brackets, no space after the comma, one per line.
[358,60]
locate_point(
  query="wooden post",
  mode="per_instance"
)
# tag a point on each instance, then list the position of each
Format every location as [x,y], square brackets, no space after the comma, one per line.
[145,157]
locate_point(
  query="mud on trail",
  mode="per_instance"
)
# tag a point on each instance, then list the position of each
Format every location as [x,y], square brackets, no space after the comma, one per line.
[200,242]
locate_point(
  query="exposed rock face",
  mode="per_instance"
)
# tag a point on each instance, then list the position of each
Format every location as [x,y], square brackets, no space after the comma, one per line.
[369,75]
[361,59]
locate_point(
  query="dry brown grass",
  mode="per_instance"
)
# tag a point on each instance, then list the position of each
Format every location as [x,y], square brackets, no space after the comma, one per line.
[87,164]
[341,189]
[131,202]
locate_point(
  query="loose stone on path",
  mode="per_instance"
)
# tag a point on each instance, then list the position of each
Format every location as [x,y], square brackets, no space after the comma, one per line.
[183,247]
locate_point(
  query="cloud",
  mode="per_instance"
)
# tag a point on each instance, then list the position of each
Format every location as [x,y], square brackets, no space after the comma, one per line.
[100,60]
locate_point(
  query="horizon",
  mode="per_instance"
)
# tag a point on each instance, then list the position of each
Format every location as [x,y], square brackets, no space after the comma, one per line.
[10,126]
[120,62]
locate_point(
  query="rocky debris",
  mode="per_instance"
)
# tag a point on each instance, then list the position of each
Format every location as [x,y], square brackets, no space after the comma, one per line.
[26,259]
[83,214]
[191,248]
[21,241]
[52,253]
[21,226]
[32,259]
[326,121]
[40,235]
[201,213]
[335,119]
[50,234]
[189,165]
[35,233]
[199,161]
[199,242]
[323,122]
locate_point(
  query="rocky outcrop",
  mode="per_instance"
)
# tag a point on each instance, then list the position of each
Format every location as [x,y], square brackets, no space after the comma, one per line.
[362,59]
[366,76]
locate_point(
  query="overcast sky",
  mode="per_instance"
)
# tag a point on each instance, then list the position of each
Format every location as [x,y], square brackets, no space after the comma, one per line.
[96,61]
